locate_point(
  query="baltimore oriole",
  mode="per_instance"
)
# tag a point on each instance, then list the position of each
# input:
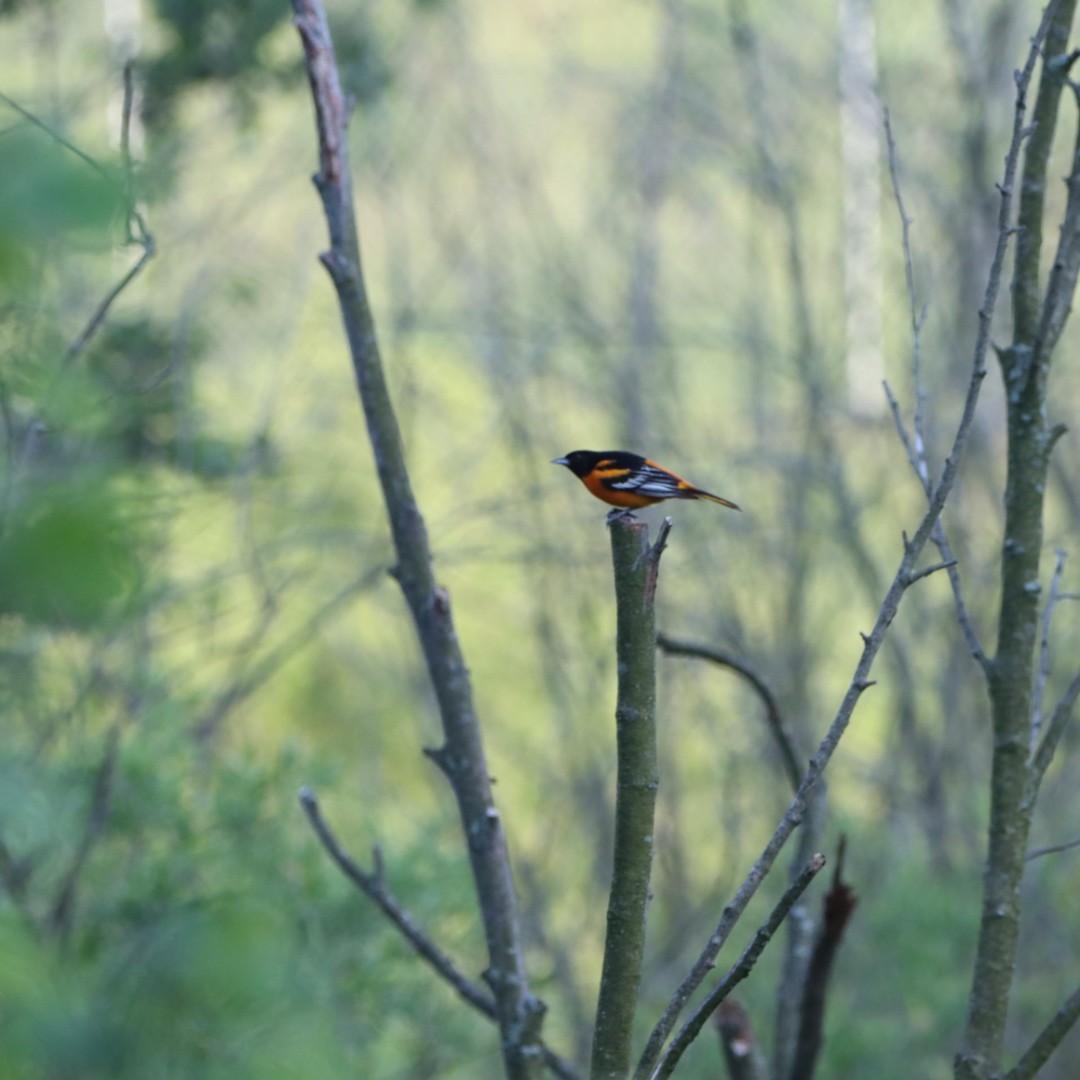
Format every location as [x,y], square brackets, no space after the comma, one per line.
[630,481]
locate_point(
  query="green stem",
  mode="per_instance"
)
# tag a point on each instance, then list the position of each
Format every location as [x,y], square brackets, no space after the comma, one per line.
[635,566]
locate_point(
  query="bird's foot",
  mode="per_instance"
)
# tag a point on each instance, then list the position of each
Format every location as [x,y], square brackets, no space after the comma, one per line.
[623,514]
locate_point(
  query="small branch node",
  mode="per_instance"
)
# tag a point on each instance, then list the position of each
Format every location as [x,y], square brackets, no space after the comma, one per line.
[657,549]
[1056,432]
[945,564]
[439,755]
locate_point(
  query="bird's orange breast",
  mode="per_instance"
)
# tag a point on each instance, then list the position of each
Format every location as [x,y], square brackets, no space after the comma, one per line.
[629,500]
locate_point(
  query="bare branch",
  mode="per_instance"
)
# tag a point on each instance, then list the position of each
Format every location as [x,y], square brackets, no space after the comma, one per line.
[1053,849]
[107,301]
[15,875]
[840,903]
[1047,1041]
[135,225]
[905,438]
[742,1051]
[774,716]
[917,448]
[520,1012]
[1061,287]
[55,135]
[889,606]
[62,911]
[1025,366]
[915,445]
[136,229]
[1059,719]
[1043,673]
[926,571]
[246,678]
[741,969]
[373,885]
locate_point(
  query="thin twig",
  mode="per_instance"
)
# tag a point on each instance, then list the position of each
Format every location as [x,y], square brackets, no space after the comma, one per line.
[1047,1040]
[1061,284]
[1043,673]
[97,816]
[926,571]
[373,885]
[889,606]
[53,134]
[1053,849]
[1059,718]
[739,971]
[939,539]
[915,445]
[15,875]
[134,224]
[774,715]
[246,676]
[902,431]
[918,317]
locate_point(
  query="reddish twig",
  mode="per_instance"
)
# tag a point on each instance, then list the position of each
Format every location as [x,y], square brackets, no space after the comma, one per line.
[839,904]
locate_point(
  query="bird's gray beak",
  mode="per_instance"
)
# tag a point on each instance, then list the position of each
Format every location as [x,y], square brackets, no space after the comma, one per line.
[560,461]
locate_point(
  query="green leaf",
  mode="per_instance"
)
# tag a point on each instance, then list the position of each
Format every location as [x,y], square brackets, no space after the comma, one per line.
[67,559]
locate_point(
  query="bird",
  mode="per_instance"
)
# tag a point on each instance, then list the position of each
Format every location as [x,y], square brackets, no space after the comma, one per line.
[629,481]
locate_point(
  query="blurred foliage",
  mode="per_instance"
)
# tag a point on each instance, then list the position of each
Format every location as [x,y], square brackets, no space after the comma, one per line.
[67,560]
[583,226]
[45,192]
[233,46]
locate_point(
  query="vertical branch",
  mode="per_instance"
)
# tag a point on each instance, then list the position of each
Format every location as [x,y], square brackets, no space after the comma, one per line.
[840,903]
[62,911]
[903,579]
[1029,218]
[742,1052]
[461,757]
[636,565]
[1025,367]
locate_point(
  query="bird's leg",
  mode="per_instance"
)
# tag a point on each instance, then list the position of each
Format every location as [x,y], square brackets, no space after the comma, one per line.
[625,513]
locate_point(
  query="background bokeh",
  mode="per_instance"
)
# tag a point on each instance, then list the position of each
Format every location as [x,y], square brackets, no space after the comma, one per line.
[664,226]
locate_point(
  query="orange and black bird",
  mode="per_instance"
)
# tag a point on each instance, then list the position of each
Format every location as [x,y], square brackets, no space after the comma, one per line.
[629,481]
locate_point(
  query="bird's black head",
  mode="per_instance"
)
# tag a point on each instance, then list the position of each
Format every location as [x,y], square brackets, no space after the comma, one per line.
[582,462]
[579,462]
